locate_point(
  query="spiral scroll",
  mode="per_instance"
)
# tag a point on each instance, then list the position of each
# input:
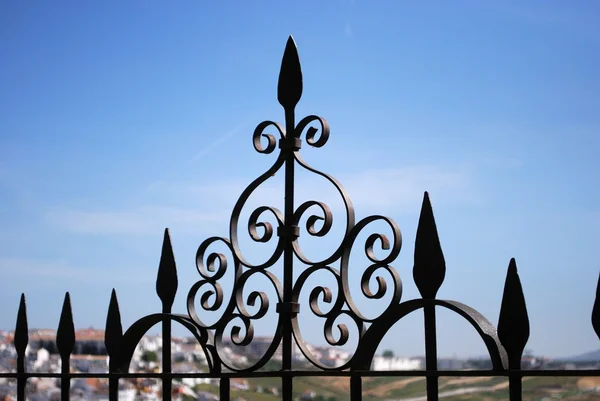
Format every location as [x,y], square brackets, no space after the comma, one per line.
[208,292]
[343,303]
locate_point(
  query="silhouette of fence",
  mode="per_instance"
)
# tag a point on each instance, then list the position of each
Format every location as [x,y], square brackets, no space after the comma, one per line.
[504,344]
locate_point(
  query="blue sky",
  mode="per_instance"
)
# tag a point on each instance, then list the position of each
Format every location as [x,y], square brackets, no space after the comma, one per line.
[118,120]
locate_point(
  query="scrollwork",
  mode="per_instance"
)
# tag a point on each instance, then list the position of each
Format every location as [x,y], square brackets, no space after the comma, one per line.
[261,229]
[254,222]
[271,141]
[311,134]
[241,336]
[320,295]
[320,292]
[344,333]
[313,219]
[326,217]
[211,268]
[324,295]
[333,304]
[255,296]
[373,271]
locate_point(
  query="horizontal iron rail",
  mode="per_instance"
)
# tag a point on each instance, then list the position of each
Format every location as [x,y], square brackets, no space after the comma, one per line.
[310,373]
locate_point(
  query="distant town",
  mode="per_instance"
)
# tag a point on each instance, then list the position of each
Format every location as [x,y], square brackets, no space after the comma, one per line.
[89,356]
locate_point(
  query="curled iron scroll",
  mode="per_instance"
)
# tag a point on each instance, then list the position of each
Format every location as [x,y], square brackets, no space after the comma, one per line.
[377,265]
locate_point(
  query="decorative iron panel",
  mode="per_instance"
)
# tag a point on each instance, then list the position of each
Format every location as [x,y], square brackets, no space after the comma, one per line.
[283,228]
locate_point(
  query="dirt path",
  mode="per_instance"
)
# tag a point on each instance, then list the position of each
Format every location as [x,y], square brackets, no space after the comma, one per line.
[466,380]
[381,391]
[588,382]
[503,385]
[462,391]
[339,383]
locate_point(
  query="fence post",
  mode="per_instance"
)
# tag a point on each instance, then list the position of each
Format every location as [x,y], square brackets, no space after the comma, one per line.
[65,342]
[20,342]
[355,388]
[428,272]
[112,341]
[289,91]
[513,328]
[166,289]
[224,389]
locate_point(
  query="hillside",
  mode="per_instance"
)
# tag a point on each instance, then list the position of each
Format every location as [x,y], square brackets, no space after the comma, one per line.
[592,356]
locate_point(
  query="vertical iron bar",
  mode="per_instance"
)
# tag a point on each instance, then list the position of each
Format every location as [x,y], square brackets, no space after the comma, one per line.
[113,334]
[286,388]
[513,328]
[21,380]
[355,388]
[431,351]
[113,387]
[288,256]
[65,342]
[20,342]
[166,354]
[429,272]
[65,380]
[166,289]
[224,389]
[515,388]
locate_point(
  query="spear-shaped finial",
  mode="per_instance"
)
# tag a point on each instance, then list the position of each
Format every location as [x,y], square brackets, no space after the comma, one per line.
[65,335]
[289,88]
[513,324]
[166,280]
[430,267]
[114,330]
[21,331]
[596,311]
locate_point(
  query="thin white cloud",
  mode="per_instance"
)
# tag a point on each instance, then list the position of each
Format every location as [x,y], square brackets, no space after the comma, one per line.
[223,138]
[203,152]
[399,188]
[387,189]
[395,190]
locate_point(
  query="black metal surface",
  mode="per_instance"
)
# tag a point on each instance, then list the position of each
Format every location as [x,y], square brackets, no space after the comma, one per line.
[513,326]
[65,342]
[20,342]
[335,306]
[113,335]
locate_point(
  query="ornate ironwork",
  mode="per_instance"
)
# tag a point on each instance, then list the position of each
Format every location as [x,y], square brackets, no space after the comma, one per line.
[335,305]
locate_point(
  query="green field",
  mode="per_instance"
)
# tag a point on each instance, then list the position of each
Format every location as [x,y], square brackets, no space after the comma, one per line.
[477,388]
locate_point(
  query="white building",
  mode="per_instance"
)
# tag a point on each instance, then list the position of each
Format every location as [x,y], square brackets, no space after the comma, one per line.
[42,357]
[396,363]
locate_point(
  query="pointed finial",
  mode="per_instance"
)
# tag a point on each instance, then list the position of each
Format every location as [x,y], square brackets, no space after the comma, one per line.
[513,324]
[430,267]
[65,335]
[289,88]
[21,330]
[114,329]
[596,311]
[166,280]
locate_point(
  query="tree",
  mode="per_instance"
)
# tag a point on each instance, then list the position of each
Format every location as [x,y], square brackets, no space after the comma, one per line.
[388,353]
[149,356]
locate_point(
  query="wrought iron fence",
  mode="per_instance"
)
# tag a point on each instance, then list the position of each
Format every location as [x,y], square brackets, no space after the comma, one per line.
[265,224]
